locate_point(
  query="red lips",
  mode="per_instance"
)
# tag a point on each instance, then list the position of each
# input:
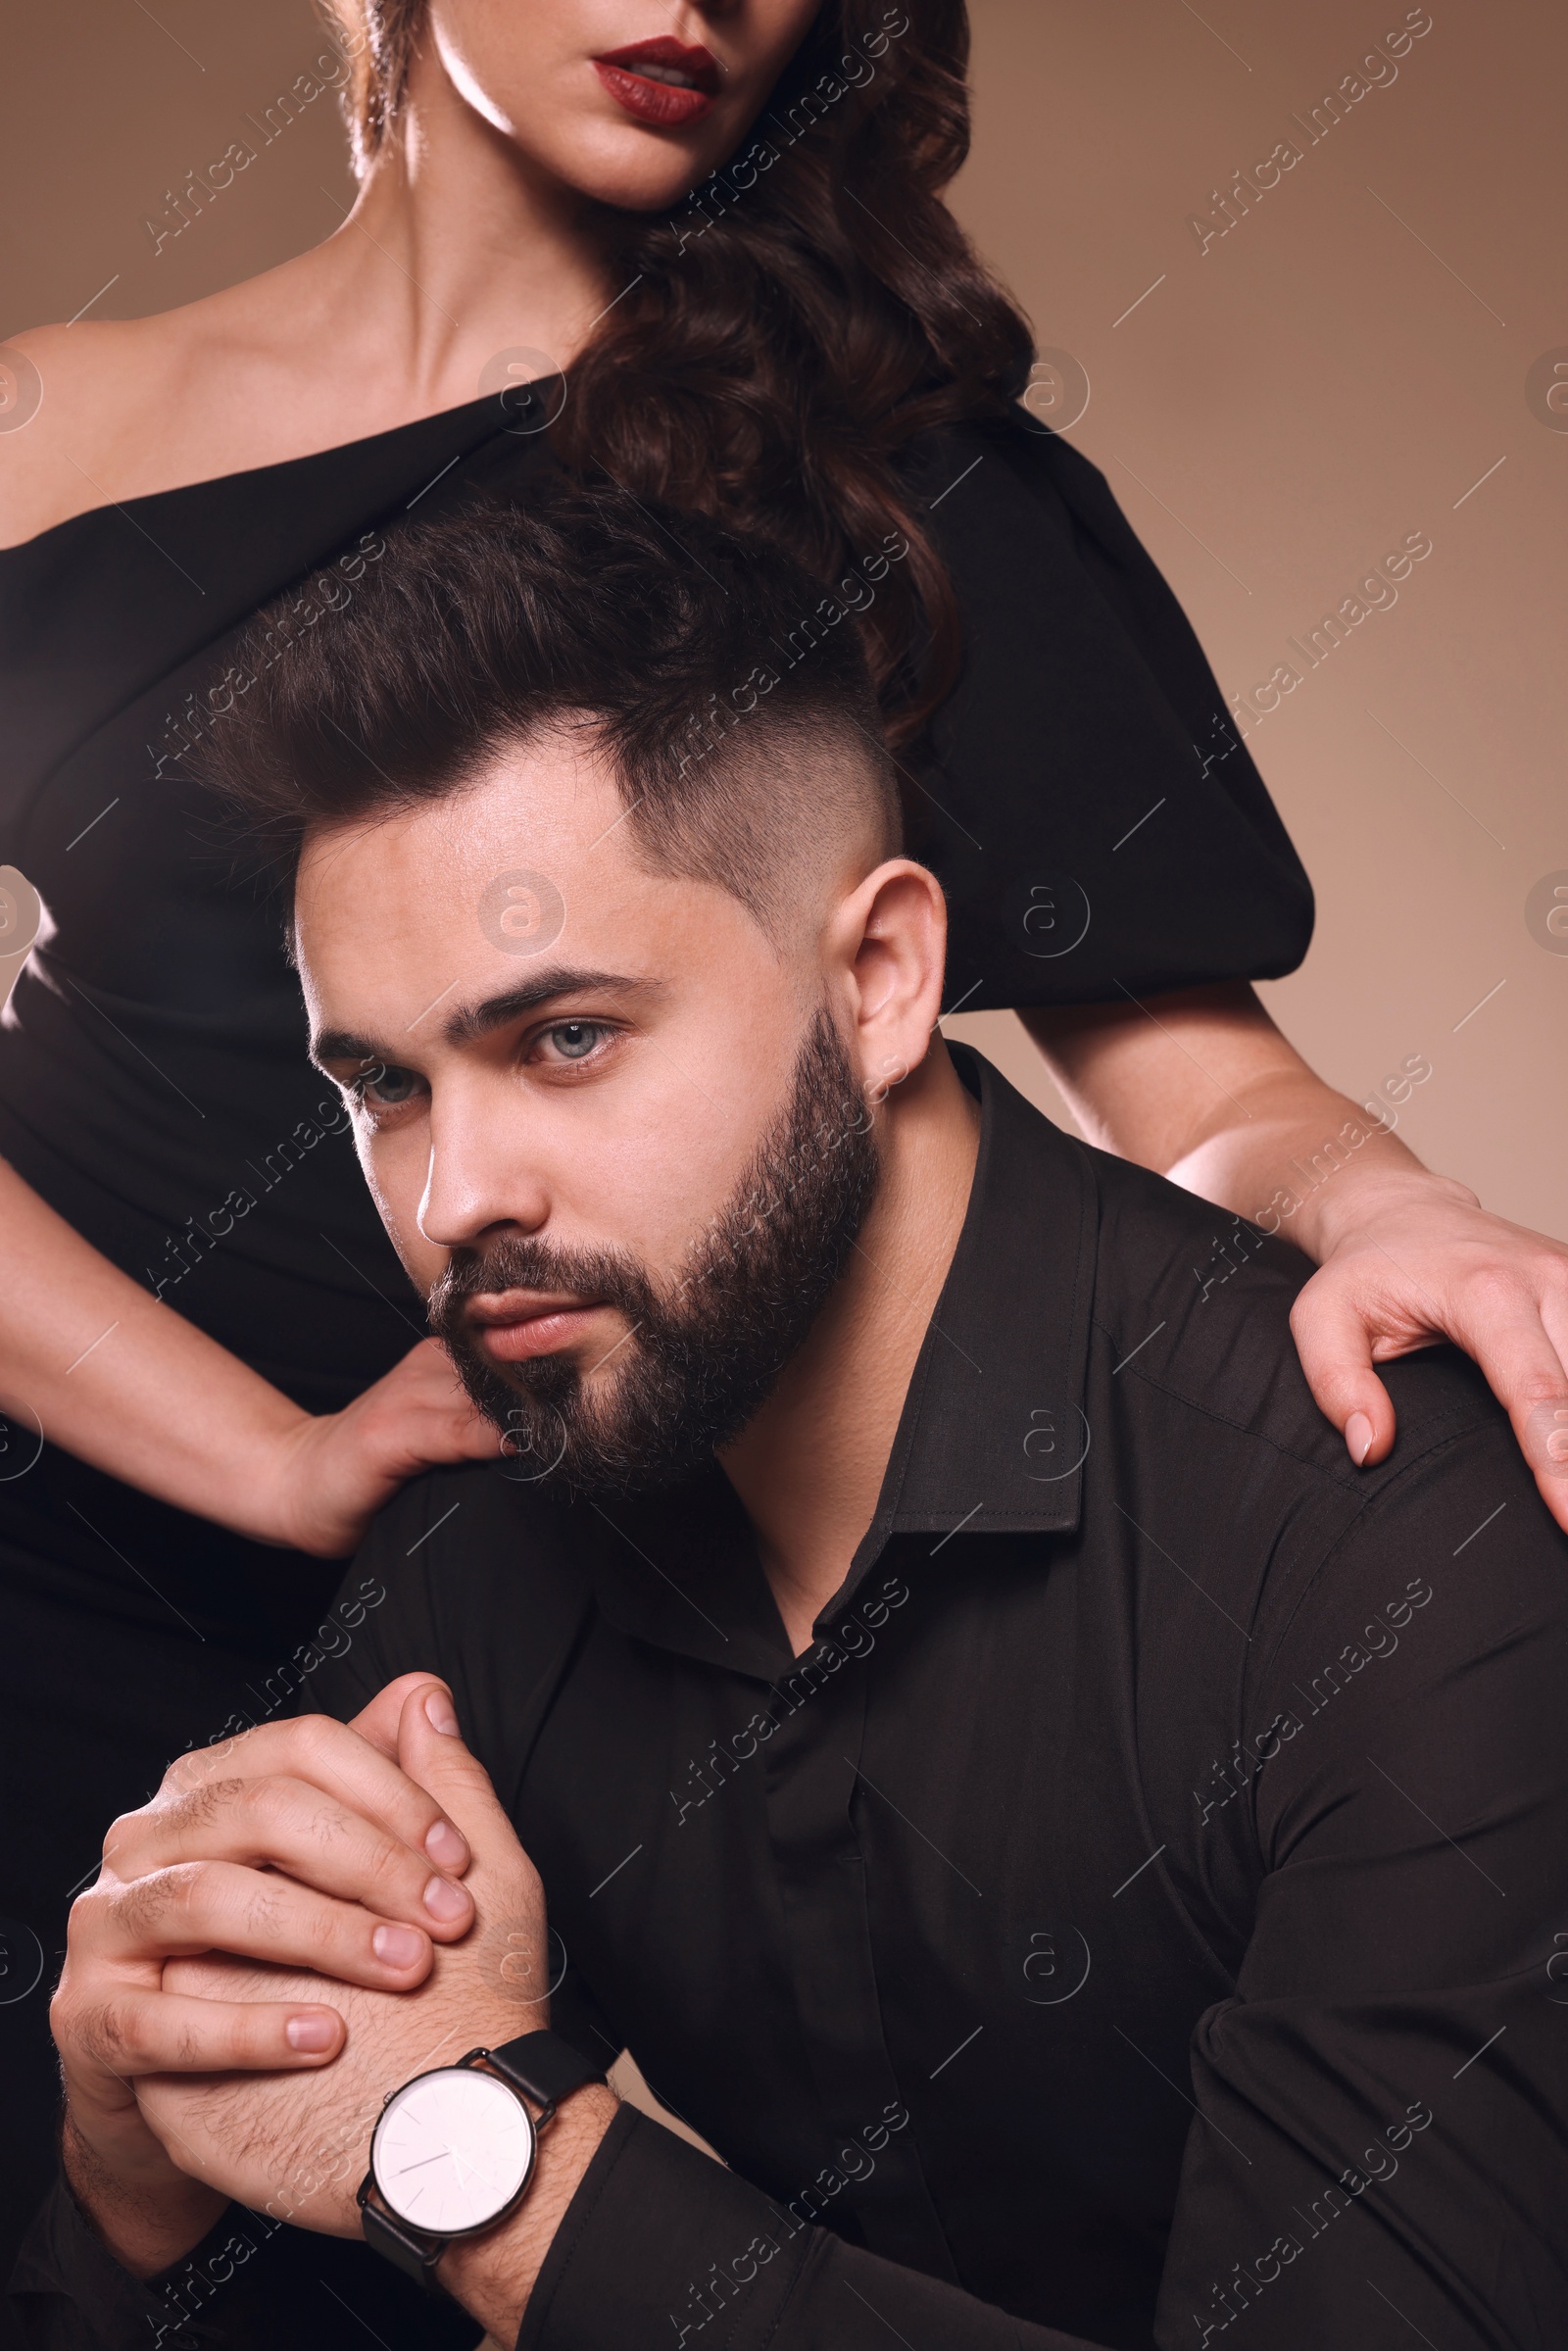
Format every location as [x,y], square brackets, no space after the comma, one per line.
[664,104]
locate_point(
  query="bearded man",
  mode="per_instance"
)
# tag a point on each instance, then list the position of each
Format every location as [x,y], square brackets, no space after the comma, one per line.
[920,1674]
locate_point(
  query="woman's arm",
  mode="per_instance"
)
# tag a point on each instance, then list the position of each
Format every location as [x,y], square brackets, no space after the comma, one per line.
[1201,1085]
[90,1356]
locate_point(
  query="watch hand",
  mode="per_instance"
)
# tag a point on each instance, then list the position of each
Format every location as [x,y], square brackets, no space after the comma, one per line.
[425,2159]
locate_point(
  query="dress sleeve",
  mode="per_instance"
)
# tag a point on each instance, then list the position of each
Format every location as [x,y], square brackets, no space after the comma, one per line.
[1084,793]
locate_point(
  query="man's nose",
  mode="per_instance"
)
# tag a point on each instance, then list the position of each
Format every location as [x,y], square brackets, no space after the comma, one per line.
[477,1181]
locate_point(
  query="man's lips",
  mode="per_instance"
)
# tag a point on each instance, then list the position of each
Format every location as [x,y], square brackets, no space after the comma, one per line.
[514,1325]
[661,81]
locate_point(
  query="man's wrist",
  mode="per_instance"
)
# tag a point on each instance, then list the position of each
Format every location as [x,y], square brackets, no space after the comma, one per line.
[147,2214]
[493,2276]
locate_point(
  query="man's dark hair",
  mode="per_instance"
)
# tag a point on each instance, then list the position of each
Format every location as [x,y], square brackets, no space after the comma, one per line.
[710,670]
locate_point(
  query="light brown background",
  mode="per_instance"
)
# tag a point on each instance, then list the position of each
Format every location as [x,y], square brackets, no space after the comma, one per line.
[1275,415]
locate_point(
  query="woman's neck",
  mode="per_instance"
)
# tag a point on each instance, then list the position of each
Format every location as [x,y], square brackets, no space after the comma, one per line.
[458,261]
[457,250]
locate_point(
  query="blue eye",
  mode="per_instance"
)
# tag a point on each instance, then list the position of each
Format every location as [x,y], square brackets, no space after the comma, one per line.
[573,1040]
[387,1088]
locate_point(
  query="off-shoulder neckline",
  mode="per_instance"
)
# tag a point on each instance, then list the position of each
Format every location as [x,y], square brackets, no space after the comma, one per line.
[240,474]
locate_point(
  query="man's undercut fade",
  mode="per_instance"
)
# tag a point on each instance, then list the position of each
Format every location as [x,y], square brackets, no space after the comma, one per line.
[737,718]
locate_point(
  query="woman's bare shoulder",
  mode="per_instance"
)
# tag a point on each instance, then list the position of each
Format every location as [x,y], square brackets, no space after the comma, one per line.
[108,411]
[79,398]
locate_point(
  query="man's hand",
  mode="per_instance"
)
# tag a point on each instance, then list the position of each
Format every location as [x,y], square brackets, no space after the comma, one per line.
[300,1842]
[220,2093]
[299,2148]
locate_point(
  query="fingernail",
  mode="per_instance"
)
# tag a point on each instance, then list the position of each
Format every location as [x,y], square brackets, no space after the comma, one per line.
[397,1947]
[446,1849]
[445,1902]
[310,2033]
[441,1712]
[1359,1437]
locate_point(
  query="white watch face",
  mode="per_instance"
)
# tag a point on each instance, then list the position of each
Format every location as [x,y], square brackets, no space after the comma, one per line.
[451,2150]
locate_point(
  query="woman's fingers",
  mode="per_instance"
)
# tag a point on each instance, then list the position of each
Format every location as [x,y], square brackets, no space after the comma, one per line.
[134,2032]
[333,1757]
[201,1906]
[1510,1335]
[1334,1339]
[1499,1293]
[281,1823]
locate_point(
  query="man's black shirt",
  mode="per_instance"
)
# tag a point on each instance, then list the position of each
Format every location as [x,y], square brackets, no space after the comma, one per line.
[1140,1917]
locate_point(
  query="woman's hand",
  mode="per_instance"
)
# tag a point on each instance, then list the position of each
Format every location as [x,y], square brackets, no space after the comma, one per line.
[1201,1085]
[1406,1259]
[331,1472]
[90,1361]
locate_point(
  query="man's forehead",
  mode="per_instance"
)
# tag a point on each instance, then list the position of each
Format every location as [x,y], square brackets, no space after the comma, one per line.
[550,801]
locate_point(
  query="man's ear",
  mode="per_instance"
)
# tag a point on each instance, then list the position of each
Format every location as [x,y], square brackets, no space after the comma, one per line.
[890,939]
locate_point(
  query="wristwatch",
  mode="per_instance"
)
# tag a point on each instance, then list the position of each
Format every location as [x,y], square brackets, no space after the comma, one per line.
[453,2150]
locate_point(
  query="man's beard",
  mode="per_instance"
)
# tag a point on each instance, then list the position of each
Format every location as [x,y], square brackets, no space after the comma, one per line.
[703,1355]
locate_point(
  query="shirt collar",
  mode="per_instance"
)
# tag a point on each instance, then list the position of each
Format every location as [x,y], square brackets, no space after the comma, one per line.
[992,1437]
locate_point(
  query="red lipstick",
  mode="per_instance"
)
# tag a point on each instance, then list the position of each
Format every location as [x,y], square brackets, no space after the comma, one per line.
[662,82]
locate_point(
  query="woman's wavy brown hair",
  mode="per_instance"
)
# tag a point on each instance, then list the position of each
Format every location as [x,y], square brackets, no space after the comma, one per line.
[790,329]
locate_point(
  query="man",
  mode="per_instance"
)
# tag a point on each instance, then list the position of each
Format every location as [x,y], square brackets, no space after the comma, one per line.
[1087,1858]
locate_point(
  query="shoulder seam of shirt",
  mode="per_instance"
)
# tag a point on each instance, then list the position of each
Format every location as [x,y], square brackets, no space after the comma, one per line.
[1436,1435]
[1354,1525]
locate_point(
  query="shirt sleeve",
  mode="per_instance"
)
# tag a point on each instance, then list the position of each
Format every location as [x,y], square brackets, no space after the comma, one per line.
[1382,2101]
[660,2240]
[250,2284]
[1085,796]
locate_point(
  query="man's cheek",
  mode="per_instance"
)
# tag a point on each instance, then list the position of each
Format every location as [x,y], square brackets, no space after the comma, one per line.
[396,1168]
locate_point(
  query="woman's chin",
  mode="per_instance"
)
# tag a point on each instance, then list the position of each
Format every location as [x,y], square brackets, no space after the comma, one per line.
[626,167]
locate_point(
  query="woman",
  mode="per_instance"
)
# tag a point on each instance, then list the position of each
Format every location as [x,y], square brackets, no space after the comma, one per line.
[195,1286]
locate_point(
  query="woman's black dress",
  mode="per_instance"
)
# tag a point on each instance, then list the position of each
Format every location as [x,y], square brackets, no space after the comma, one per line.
[1096,821]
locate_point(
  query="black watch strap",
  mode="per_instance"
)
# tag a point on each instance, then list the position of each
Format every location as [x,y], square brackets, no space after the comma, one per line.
[414,2256]
[543,2067]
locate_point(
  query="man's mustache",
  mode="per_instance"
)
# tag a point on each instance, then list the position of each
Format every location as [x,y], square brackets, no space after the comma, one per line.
[605,1276]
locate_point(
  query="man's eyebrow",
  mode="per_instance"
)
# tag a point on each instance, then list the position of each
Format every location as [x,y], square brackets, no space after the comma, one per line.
[472,1021]
[338,1045]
